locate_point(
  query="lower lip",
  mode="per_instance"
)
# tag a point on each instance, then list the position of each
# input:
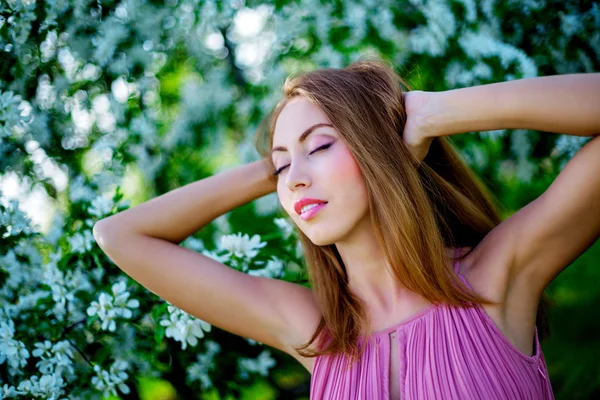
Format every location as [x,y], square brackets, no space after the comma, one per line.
[311,213]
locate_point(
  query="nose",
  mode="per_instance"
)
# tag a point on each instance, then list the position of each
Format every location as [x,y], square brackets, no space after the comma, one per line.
[296,176]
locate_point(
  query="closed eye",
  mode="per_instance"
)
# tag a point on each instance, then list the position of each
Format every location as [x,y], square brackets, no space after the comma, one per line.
[314,151]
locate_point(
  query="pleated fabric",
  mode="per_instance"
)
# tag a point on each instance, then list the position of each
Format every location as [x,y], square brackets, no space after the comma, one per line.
[445,352]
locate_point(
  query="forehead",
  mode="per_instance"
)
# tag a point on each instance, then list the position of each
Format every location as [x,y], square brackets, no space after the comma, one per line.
[295,117]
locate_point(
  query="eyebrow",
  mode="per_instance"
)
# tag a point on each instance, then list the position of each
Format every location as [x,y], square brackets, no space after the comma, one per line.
[303,136]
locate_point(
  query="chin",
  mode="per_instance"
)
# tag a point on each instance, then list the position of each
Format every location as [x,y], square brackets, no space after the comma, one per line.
[322,238]
[317,238]
[321,241]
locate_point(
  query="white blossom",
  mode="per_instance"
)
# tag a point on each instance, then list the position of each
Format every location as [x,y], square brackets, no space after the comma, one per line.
[42,349]
[27,301]
[470,10]
[483,44]
[328,57]
[80,191]
[16,220]
[12,351]
[8,391]
[198,371]
[286,228]
[109,381]
[108,307]
[82,242]
[63,285]
[184,327]
[259,365]
[7,328]
[101,206]
[441,24]
[242,245]
[75,108]
[215,256]
[18,273]
[104,309]
[45,93]
[568,145]
[458,75]
[273,269]
[54,359]
[121,300]
[47,386]
[10,115]
[193,243]
[29,386]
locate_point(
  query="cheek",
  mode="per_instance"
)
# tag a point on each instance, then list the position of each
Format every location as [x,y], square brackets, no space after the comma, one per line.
[338,172]
[350,190]
[285,197]
[346,170]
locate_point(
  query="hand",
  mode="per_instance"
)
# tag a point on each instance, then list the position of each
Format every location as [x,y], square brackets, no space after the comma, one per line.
[418,130]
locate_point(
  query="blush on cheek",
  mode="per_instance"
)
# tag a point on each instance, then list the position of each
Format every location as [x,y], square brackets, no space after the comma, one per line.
[346,168]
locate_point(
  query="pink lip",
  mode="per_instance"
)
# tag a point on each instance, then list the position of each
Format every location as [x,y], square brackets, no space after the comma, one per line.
[304,202]
[311,213]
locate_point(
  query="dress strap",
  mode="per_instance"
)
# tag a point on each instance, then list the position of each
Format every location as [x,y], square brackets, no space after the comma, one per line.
[456,268]
[456,263]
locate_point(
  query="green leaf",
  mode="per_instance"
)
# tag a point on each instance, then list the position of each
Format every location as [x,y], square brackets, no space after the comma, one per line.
[159,333]
[97,260]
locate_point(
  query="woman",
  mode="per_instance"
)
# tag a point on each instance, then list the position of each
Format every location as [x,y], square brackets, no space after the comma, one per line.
[419,290]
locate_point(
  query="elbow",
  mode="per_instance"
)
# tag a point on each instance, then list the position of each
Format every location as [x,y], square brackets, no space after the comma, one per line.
[101,232]
[109,233]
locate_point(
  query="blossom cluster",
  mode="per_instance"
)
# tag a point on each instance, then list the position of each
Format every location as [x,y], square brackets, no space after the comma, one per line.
[55,365]
[108,381]
[259,365]
[183,327]
[198,371]
[12,351]
[82,103]
[108,307]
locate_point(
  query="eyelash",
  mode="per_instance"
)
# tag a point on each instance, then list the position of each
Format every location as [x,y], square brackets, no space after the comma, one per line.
[314,151]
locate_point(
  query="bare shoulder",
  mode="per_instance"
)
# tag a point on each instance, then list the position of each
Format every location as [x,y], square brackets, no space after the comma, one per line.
[303,317]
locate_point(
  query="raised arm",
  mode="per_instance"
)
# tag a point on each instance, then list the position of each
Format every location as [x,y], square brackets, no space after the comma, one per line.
[176,215]
[547,235]
[143,242]
[519,258]
[561,104]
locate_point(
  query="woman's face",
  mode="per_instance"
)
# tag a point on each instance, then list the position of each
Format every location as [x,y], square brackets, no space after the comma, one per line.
[329,173]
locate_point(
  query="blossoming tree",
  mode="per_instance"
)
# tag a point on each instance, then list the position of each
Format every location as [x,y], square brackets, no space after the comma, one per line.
[97,97]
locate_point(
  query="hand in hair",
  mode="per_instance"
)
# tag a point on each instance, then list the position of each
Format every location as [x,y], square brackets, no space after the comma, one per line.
[418,132]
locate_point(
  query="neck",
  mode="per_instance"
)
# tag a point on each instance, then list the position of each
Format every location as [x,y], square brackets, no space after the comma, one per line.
[369,275]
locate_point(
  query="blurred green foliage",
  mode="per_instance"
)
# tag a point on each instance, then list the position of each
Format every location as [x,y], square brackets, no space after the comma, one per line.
[155,95]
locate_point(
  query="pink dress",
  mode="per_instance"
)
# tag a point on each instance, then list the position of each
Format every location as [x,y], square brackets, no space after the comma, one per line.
[444,352]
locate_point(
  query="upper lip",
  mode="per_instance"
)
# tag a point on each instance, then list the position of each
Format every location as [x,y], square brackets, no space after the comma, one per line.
[304,202]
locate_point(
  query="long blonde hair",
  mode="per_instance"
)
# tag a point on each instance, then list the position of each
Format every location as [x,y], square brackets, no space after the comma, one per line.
[416,212]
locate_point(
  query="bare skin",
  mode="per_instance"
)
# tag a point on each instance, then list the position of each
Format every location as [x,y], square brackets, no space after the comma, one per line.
[512,265]
[332,175]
